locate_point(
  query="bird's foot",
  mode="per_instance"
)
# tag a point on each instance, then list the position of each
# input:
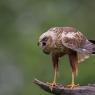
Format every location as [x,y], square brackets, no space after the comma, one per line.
[72,85]
[52,85]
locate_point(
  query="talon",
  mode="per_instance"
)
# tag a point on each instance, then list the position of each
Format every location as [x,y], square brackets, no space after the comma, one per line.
[52,85]
[72,85]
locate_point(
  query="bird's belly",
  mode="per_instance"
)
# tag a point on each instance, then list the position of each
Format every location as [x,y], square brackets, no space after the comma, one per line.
[59,50]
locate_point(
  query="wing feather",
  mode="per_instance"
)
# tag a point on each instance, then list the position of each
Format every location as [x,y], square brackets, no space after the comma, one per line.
[77,42]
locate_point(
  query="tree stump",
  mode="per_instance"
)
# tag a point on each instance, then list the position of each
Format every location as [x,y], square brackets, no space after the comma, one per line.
[60,89]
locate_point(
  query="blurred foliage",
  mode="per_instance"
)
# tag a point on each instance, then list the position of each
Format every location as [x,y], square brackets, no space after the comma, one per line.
[21,24]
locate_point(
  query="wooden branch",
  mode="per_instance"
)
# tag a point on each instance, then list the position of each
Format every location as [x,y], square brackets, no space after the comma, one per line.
[61,90]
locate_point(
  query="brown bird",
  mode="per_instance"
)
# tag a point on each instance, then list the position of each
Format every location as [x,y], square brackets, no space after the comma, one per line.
[59,41]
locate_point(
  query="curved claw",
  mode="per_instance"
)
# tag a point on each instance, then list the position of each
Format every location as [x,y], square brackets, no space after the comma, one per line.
[52,85]
[72,86]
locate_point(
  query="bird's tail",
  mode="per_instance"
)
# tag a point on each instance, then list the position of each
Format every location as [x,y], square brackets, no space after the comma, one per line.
[93,41]
[93,51]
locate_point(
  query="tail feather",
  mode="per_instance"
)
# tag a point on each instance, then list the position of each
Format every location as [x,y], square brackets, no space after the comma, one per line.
[93,41]
[93,51]
[82,57]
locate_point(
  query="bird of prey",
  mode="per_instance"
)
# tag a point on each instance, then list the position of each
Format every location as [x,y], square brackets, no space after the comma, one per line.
[59,41]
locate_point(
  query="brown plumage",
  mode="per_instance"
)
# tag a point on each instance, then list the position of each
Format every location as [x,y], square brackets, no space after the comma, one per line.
[58,41]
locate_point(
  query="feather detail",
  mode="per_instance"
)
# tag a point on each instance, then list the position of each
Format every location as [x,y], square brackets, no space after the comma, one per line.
[73,58]
[82,57]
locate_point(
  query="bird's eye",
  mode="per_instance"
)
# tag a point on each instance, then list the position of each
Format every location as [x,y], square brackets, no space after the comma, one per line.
[43,43]
[45,39]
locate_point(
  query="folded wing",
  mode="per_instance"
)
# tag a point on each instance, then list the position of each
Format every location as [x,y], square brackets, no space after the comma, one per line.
[77,42]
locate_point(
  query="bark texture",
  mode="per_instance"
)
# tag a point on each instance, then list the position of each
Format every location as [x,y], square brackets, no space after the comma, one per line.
[60,89]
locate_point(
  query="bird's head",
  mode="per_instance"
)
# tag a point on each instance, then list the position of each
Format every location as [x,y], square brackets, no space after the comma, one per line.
[45,42]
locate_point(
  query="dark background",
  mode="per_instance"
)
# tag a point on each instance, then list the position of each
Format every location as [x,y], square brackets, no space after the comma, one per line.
[21,24]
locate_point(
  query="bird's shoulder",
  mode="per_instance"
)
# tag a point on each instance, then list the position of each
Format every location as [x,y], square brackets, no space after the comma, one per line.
[63,29]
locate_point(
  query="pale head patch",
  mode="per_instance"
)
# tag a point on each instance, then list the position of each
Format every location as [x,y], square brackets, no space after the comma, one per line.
[47,34]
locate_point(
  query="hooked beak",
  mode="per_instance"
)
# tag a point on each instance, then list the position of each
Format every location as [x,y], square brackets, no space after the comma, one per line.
[46,52]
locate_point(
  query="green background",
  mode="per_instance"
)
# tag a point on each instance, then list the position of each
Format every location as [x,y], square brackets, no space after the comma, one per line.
[21,24]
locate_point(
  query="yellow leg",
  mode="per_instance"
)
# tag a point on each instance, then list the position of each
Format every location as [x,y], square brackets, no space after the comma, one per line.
[73,78]
[72,85]
[54,80]
[55,76]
